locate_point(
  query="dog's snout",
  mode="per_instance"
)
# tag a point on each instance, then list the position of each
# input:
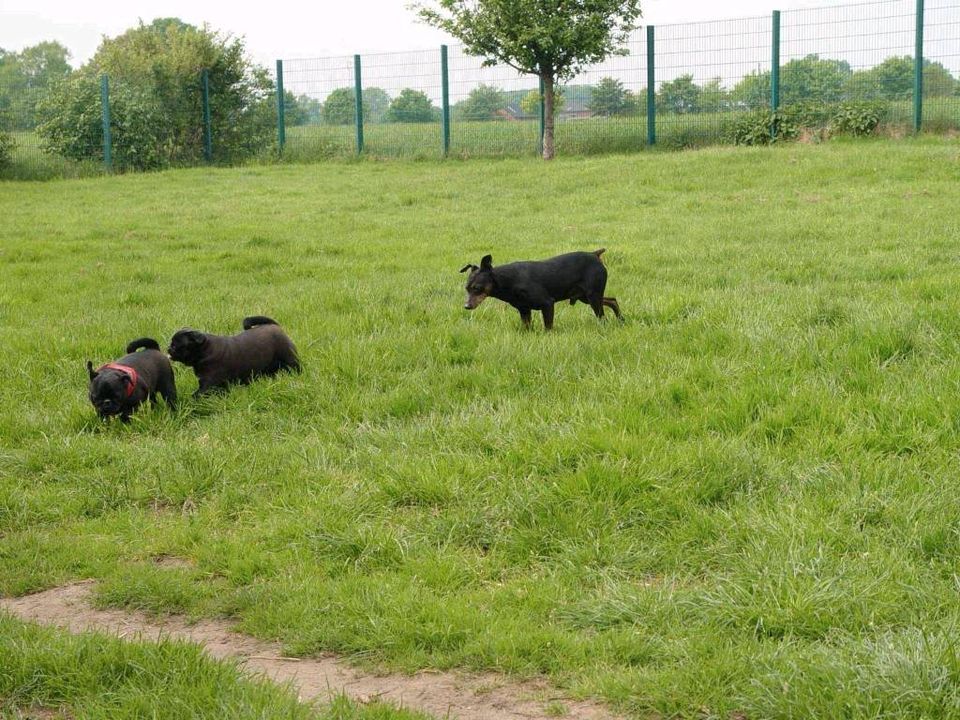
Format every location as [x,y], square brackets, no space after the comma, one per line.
[467,306]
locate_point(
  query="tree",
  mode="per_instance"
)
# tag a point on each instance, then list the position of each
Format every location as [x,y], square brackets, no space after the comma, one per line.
[376,103]
[812,79]
[552,40]
[300,109]
[412,106]
[6,142]
[753,91]
[611,98]
[893,80]
[155,99]
[26,76]
[802,80]
[679,96]
[310,110]
[483,103]
[340,107]
[530,103]
[713,96]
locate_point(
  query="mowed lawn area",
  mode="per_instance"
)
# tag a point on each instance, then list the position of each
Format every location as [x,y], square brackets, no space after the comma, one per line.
[744,501]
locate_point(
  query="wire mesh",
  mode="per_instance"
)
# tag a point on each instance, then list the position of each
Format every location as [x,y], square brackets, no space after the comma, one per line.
[26,97]
[859,52]
[706,72]
[404,91]
[941,49]
[603,108]
[319,108]
[490,108]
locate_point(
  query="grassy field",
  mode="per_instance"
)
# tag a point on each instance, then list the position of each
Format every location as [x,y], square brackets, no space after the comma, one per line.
[743,500]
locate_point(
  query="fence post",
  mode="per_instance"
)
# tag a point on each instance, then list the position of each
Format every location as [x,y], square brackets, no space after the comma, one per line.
[358,97]
[543,120]
[208,130]
[445,85]
[105,113]
[651,88]
[918,72]
[281,120]
[775,72]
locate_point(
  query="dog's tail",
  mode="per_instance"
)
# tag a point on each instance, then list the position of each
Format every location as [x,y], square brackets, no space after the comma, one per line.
[599,253]
[254,320]
[147,343]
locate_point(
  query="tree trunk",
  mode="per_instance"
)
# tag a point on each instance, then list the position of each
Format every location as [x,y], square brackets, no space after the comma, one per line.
[548,116]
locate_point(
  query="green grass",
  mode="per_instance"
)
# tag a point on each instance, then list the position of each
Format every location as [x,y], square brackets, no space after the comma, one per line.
[742,500]
[90,676]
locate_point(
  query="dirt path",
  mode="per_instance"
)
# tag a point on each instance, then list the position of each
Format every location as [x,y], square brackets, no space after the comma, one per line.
[443,694]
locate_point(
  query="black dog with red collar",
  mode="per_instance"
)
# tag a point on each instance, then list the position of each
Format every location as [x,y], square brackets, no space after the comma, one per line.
[119,387]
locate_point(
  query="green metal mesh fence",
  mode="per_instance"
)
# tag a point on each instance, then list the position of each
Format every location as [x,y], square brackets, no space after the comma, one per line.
[712,82]
[941,49]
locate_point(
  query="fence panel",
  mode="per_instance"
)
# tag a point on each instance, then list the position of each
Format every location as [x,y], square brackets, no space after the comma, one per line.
[403,98]
[603,109]
[490,108]
[941,39]
[707,72]
[319,108]
[858,52]
[22,109]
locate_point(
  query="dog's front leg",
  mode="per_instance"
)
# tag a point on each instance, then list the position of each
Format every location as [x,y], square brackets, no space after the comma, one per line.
[547,311]
[525,317]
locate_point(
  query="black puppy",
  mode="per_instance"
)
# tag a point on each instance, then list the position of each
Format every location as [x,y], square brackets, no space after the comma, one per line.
[538,285]
[119,387]
[261,349]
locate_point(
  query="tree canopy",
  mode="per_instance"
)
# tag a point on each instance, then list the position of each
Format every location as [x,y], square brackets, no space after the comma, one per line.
[412,106]
[156,99]
[25,77]
[483,103]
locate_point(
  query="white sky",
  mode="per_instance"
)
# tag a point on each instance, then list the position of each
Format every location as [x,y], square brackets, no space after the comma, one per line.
[293,30]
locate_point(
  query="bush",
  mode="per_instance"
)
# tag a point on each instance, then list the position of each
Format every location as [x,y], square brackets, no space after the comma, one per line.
[6,143]
[754,128]
[791,122]
[156,100]
[412,106]
[857,119]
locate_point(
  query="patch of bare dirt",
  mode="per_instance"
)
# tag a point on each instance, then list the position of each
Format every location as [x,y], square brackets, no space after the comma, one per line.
[447,695]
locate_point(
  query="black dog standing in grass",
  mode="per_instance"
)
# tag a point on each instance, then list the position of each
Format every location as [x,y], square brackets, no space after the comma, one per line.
[118,388]
[538,285]
[261,349]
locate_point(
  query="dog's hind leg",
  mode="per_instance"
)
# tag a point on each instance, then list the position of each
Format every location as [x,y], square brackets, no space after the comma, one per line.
[168,391]
[613,305]
[525,318]
[597,304]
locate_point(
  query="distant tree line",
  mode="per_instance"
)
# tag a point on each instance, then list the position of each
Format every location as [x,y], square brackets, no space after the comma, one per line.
[808,80]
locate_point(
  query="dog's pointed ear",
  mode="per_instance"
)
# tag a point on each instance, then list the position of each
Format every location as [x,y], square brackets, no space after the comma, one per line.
[486,262]
[468,266]
[90,371]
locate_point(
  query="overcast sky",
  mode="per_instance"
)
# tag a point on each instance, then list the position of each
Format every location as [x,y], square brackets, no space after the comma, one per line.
[293,30]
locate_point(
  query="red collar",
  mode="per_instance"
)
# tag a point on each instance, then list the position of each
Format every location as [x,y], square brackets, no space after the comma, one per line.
[128,371]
